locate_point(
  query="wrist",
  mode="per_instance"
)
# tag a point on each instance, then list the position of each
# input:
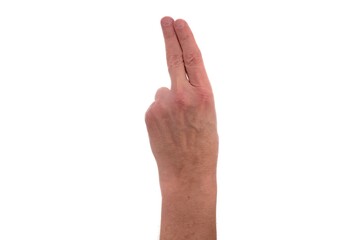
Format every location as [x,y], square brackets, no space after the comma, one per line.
[193,185]
[189,207]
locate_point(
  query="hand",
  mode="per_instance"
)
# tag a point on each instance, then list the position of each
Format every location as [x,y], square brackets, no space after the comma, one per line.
[182,121]
[183,136]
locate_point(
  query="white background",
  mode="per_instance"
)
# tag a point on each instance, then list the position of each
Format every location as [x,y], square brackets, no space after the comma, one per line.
[76,78]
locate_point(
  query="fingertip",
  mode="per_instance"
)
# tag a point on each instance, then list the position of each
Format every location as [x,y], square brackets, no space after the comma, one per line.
[166,21]
[179,23]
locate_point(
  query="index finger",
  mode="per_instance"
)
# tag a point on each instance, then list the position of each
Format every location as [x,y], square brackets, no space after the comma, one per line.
[174,55]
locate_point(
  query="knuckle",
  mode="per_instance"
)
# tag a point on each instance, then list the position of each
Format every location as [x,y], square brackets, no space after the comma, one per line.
[174,60]
[181,101]
[161,93]
[149,115]
[157,111]
[206,96]
[193,58]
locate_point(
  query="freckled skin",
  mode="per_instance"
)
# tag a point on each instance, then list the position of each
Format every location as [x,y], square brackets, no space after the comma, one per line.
[182,129]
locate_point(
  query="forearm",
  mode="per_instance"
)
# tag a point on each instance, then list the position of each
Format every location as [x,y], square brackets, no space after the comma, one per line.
[189,209]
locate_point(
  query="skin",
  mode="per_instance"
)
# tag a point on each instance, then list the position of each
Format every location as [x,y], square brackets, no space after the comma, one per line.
[182,129]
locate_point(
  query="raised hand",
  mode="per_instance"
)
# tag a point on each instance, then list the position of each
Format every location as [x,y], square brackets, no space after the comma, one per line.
[181,124]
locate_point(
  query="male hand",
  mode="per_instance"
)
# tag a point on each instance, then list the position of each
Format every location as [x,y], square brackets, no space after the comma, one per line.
[181,122]
[183,136]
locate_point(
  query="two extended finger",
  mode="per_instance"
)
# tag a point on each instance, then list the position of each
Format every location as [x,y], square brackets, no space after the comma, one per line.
[184,58]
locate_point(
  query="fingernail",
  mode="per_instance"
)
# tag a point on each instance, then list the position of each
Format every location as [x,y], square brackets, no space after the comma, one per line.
[179,24]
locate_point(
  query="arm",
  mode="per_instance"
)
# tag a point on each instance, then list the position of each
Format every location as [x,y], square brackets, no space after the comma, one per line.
[181,124]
